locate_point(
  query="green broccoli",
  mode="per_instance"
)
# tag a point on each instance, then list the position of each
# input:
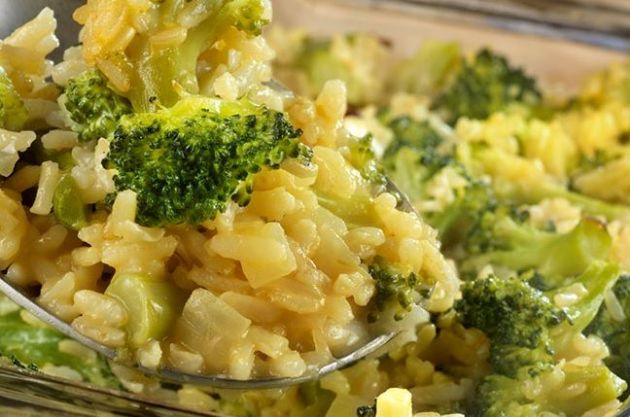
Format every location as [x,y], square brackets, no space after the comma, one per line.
[158,72]
[13,114]
[186,162]
[615,331]
[92,106]
[484,86]
[415,156]
[500,239]
[509,311]
[507,360]
[502,396]
[526,330]
[396,292]
[429,69]
[456,220]
[596,279]
[68,207]
[361,156]
[424,144]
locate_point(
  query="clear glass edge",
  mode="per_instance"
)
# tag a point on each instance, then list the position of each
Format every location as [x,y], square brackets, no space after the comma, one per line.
[35,393]
[570,20]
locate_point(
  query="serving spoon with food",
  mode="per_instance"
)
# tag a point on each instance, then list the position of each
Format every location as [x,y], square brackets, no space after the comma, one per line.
[15,13]
[25,300]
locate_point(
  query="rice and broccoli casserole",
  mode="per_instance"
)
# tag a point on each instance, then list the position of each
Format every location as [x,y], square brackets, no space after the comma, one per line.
[163,194]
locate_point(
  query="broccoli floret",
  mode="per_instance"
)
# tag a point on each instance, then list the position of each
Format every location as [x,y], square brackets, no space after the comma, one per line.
[525,331]
[414,157]
[93,107]
[13,114]
[596,279]
[499,239]
[509,311]
[615,331]
[186,162]
[455,222]
[429,69]
[361,155]
[507,360]
[502,396]
[424,144]
[396,292]
[484,86]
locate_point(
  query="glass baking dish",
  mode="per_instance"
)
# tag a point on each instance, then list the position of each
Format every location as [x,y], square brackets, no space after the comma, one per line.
[547,37]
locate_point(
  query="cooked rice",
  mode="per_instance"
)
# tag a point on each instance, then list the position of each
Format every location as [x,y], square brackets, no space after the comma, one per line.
[286,276]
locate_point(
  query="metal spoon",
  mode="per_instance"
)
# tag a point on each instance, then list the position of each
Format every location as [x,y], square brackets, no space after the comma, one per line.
[14,14]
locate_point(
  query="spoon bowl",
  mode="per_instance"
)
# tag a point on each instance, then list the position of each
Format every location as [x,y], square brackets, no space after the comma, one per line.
[14,14]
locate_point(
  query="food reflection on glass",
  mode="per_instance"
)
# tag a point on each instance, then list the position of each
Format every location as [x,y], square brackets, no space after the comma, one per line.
[162,197]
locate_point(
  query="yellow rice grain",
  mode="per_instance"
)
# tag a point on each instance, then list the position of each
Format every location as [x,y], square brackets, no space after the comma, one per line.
[48,178]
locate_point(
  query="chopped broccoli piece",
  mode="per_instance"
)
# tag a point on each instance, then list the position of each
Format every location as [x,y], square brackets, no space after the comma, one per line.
[507,360]
[396,292]
[68,207]
[13,114]
[502,396]
[33,347]
[456,220]
[362,157]
[186,162]
[596,279]
[525,331]
[415,156]
[509,311]
[615,331]
[152,305]
[152,76]
[429,69]
[424,142]
[93,107]
[602,386]
[484,86]
[499,239]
